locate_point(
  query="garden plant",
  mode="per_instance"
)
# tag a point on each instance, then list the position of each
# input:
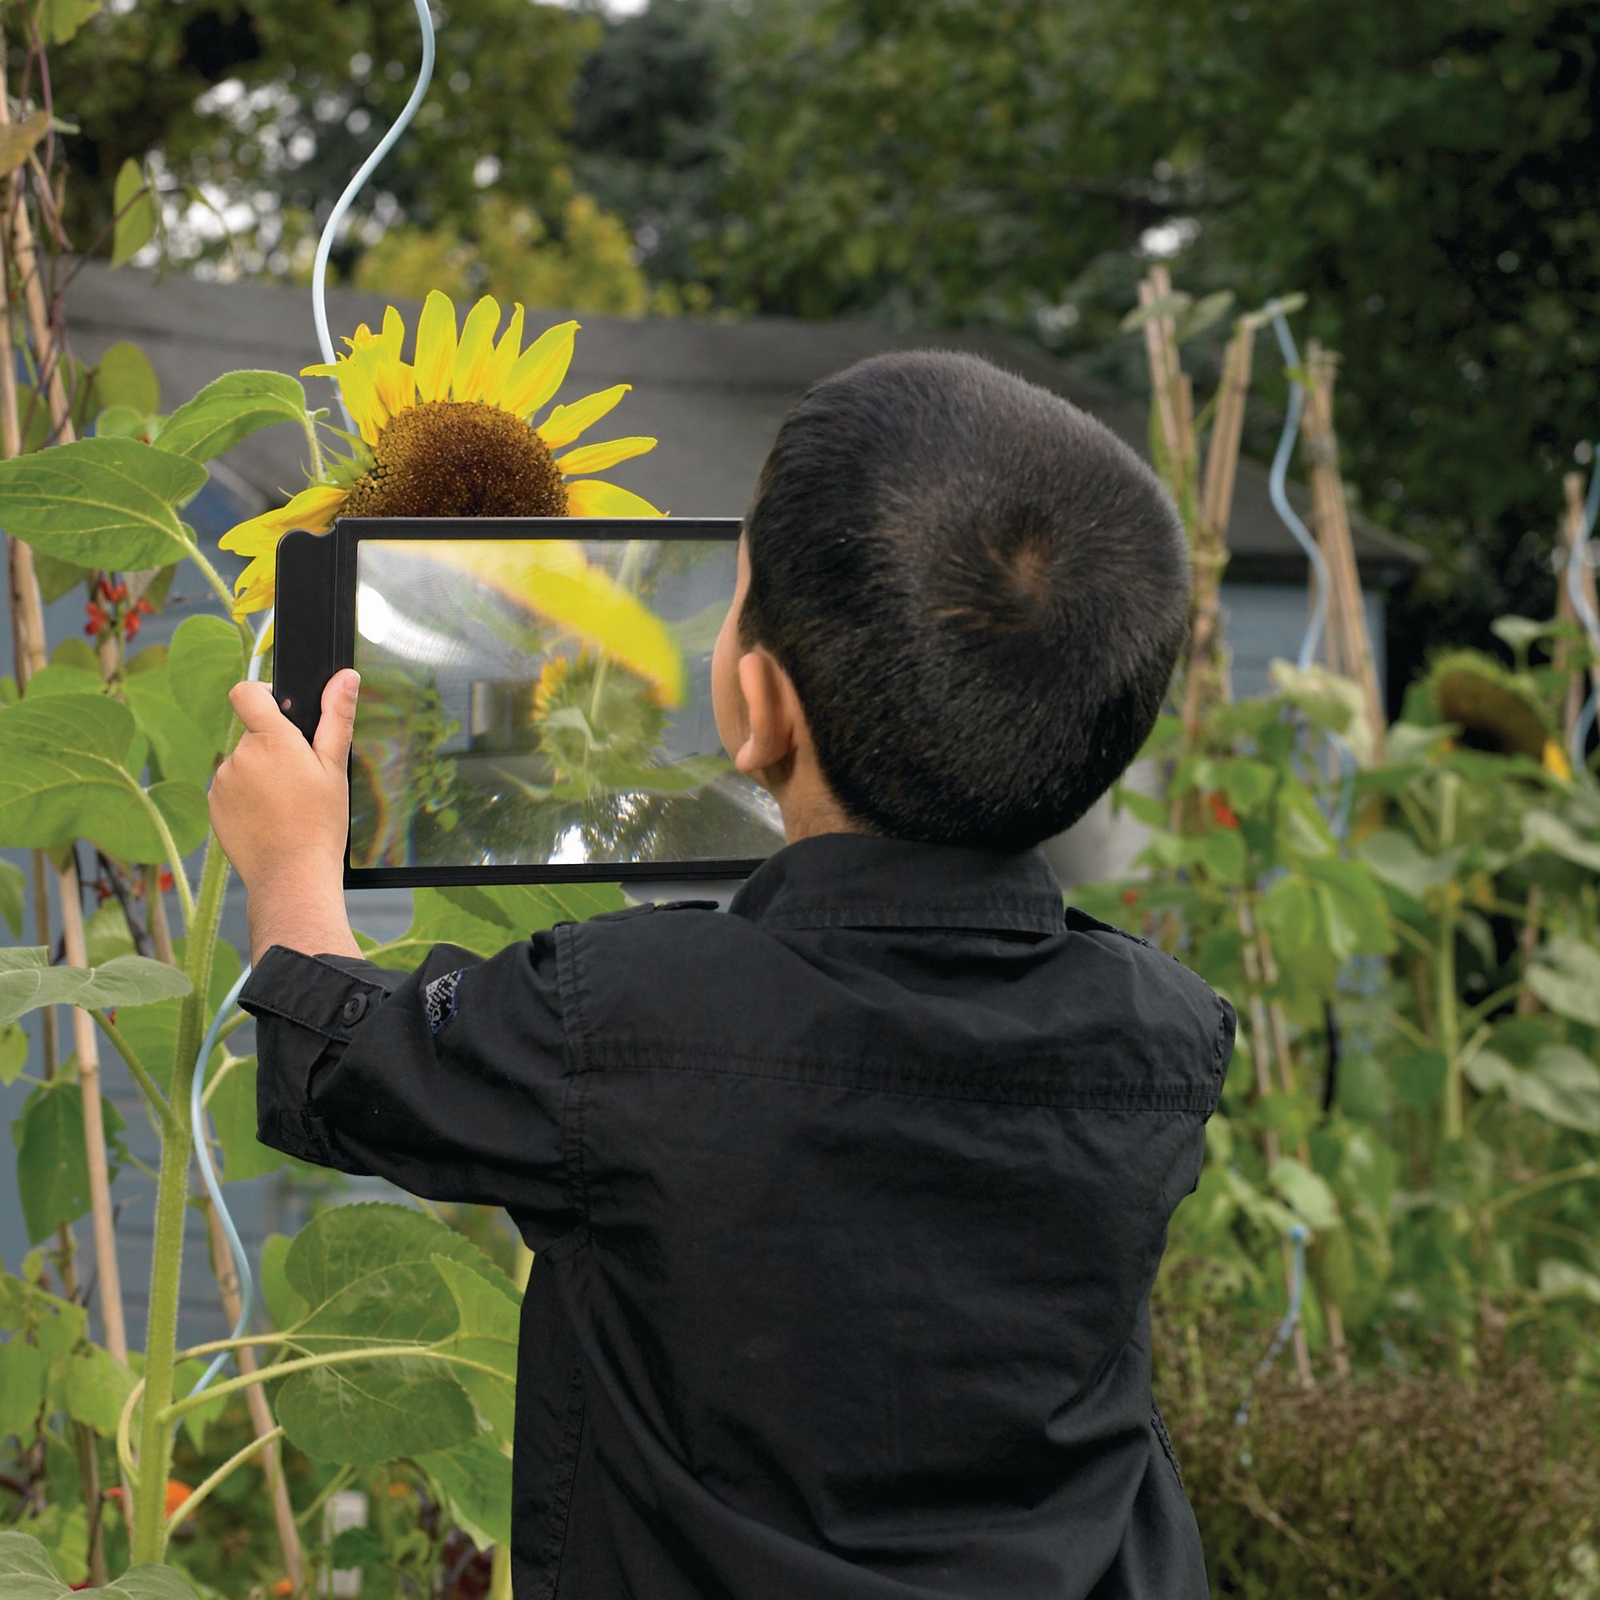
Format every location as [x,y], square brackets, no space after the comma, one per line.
[1406,916]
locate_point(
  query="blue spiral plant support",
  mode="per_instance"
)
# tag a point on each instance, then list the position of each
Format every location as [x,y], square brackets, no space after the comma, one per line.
[1578,557]
[319,308]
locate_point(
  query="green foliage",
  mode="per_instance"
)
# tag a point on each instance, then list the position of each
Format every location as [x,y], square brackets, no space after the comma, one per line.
[1408,1484]
[28,1573]
[107,503]
[53,1158]
[230,409]
[28,980]
[65,772]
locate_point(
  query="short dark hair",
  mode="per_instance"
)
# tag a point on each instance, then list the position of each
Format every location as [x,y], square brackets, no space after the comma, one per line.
[978,591]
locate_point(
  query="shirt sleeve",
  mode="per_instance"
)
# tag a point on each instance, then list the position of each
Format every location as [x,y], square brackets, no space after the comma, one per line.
[451,1081]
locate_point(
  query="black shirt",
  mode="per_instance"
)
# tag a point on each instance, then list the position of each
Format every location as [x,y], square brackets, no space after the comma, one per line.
[847,1206]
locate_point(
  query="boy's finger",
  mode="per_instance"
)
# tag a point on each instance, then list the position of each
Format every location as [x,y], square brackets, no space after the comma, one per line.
[256,709]
[337,725]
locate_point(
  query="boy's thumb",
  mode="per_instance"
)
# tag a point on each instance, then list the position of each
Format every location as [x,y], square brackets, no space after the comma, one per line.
[338,722]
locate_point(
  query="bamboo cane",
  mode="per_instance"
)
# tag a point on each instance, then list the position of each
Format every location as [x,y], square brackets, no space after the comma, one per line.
[1349,642]
[16,245]
[1566,611]
[260,1413]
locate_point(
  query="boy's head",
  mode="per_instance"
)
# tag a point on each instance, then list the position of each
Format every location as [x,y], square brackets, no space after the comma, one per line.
[966,595]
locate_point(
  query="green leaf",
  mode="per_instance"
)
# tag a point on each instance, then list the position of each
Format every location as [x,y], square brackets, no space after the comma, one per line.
[1562,1085]
[57,1326]
[57,578]
[1397,859]
[101,502]
[123,376]
[13,1053]
[1246,783]
[1562,1280]
[486,1334]
[24,1382]
[52,1166]
[365,1412]
[18,138]
[207,659]
[64,679]
[13,891]
[152,1030]
[476,1477]
[1543,830]
[447,916]
[1567,979]
[1419,1078]
[24,1560]
[233,1110]
[1306,1192]
[59,20]
[1354,911]
[179,748]
[121,422]
[64,774]
[98,1386]
[133,204]
[285,1304]
[106,935]
[230,409]
[28,981]
[196,1423]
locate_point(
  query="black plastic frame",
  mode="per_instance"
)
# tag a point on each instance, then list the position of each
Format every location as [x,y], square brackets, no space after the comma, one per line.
[314,637]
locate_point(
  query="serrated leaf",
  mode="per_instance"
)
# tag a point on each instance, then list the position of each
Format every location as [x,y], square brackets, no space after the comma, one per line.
[105,503]
[347,1245]
[364,1412]
[229,409]
[13,893]
[24,1382]
[28,981]
[486,1334]
[133,204]
[52,1165]
[476,1477]
[64,774]
[206,660]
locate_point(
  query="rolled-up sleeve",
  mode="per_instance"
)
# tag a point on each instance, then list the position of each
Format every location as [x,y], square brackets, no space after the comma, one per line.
[452,1081]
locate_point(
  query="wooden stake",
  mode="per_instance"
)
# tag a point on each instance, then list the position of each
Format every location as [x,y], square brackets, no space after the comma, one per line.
[1566,611]
[1349,643]
[255,1396]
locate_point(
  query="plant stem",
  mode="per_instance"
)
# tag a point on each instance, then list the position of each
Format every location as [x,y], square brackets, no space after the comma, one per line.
[218,586]
[1447,1017]
[172,1197]
[202,1491]
[1551,1180]
[137,1069]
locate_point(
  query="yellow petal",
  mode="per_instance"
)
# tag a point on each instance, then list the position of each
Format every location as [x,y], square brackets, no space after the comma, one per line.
[367,411]
[476,349]
[323,370]
[565,423]
[601,457]
[591,497]
[435,360]
[539,371]
[257,586]
[312,509]
[552,577]
[1555,760]
[393,379]
[503,360]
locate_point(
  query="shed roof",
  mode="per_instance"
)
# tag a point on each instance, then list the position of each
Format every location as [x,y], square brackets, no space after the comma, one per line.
[713,392]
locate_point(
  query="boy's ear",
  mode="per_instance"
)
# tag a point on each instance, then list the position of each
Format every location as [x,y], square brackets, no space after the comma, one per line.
[773,719]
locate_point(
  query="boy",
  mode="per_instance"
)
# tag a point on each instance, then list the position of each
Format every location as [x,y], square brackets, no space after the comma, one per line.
[846,1203]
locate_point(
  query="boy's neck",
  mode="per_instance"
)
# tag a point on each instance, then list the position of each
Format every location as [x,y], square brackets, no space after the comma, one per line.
[808,807]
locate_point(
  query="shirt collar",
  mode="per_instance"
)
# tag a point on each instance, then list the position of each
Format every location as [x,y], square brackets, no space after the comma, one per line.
[849,880]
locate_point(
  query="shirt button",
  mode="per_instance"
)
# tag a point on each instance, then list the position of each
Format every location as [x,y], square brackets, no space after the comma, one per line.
[355,1008]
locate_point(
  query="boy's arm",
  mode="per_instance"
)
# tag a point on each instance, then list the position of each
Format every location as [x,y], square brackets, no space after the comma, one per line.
[452,1080]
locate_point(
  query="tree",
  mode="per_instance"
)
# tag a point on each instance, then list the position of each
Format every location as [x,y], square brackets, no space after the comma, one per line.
[275,105]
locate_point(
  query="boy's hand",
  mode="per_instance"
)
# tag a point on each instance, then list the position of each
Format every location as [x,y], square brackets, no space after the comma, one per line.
[281,810]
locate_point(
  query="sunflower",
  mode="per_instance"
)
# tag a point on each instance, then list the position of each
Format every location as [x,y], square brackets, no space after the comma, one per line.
[449,434]
[1496,710]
